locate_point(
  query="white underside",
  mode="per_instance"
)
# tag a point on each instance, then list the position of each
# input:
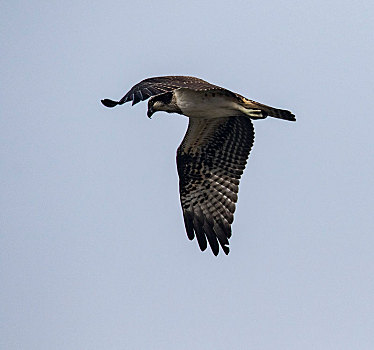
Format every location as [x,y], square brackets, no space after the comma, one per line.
[210,104]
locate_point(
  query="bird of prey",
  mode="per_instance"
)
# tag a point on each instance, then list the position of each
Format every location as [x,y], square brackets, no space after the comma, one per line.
[214,151]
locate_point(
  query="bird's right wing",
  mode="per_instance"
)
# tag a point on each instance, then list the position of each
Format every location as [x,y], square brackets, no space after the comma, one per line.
[159,85]
[210,161]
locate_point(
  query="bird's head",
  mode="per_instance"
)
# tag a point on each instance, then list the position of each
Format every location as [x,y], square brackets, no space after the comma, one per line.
[160,102]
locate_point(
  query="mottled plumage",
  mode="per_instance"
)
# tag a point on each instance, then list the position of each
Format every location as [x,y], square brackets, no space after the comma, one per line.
[155,86]
[214,151]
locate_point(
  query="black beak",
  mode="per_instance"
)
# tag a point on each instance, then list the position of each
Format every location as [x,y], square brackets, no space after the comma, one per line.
[150,112]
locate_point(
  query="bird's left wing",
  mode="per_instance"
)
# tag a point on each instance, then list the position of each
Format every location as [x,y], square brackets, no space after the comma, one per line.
[210,161]
[159,85]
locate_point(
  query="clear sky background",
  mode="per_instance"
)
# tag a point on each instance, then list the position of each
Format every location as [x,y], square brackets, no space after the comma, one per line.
[94,254]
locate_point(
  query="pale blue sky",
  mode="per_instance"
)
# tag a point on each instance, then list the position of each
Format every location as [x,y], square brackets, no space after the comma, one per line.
[94,254]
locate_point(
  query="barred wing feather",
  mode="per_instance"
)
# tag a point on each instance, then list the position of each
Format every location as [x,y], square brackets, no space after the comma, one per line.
[210,162]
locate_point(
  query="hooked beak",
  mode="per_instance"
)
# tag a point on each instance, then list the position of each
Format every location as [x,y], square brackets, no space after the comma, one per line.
[150,112]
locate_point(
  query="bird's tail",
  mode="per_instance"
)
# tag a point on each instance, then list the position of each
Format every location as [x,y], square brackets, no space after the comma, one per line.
[282,114]
[278,113]
[267,111]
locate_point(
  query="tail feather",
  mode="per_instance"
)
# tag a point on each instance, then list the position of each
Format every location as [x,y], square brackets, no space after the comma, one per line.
[279,113]
[267,111]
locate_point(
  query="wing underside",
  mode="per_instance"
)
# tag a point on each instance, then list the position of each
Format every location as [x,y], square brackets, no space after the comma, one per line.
[210,161]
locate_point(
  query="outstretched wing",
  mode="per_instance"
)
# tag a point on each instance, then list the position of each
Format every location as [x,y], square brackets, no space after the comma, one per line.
[210,161]
[159,85]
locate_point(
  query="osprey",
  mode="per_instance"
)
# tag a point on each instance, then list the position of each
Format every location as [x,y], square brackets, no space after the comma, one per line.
[214,151]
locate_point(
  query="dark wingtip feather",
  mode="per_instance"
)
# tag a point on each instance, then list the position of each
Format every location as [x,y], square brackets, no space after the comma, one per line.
[222,238]
[200,236]
[225,249]
[201,240]
[188,223]
[109,103]
[213,244]
[212,238]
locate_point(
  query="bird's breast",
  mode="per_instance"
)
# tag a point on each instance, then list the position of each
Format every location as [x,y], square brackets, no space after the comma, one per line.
[206,104]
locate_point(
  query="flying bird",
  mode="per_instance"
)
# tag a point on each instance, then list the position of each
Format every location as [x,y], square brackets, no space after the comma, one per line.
[214,151]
